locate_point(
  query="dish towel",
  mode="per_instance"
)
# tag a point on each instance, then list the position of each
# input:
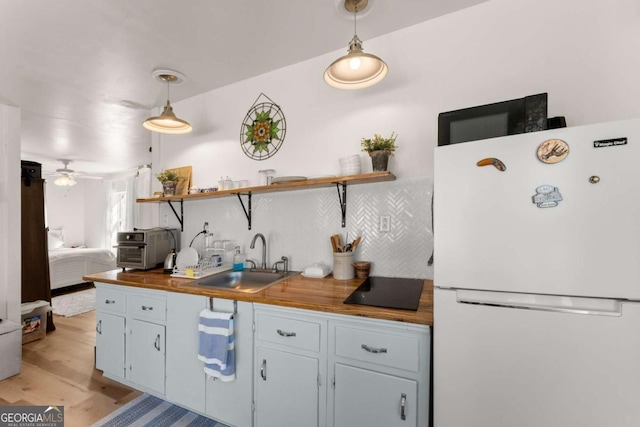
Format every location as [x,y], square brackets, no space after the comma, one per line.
[216,346]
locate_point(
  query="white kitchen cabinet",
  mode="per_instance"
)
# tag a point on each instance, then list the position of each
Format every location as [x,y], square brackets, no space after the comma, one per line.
[380,373]
[146,317]
[287,389]
[110,344]
[110,331]
[293,367]
[378,370]
[366,398]
[290,366]
[159,331]
[130,336]
[231,402]
[147,354]
[185,381]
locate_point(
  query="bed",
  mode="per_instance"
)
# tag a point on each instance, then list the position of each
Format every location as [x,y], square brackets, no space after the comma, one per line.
[68,265]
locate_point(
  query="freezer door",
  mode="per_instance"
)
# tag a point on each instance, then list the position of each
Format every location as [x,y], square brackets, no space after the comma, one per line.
[489,234]
[531,366]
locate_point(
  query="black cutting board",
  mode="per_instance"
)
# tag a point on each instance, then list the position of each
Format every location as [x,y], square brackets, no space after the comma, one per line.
[388,292]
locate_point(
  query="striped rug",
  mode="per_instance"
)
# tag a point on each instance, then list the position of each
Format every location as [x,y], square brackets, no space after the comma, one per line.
[149,411]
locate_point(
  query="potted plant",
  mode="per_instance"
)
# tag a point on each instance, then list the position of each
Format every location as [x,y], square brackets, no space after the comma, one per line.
[379,149]
[169,179]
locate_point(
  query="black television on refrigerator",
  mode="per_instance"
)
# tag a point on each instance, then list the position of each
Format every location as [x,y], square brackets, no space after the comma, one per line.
[528,114]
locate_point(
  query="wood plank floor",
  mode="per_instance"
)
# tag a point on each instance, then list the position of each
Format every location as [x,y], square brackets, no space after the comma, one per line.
[59,371]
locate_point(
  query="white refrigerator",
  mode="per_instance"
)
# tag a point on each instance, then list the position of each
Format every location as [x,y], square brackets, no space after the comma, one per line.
[537,279]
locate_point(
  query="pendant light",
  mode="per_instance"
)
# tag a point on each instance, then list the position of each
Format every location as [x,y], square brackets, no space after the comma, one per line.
[356,69]
[167,122]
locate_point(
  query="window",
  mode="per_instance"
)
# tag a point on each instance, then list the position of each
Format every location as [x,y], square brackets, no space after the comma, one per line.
[120,208]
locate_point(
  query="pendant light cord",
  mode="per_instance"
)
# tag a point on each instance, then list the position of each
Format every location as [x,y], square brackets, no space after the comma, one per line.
[355,12]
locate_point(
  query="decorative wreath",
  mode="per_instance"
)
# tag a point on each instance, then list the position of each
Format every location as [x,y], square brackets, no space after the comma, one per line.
[263,130]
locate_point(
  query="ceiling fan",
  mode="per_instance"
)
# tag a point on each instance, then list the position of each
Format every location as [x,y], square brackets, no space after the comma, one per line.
[67,177]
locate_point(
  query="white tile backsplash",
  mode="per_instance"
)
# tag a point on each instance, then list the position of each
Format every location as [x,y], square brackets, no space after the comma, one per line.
[297,224]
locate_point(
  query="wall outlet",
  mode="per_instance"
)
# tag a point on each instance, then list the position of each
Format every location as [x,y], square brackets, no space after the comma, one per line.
[385,223]
[165,220]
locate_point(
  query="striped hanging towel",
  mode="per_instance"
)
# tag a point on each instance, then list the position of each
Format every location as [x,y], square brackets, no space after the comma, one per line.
[216,347]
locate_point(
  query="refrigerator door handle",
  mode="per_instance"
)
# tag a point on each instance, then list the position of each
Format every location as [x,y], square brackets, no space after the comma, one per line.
[552,303]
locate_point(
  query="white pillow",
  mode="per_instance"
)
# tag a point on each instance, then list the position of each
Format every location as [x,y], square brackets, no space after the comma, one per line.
[54,242]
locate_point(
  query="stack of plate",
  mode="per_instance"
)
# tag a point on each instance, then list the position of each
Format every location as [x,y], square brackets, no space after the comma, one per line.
[283,179]
[350,165]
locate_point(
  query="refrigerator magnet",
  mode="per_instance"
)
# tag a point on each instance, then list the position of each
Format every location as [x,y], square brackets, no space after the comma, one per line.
[492,161]
[547,196]
[553,151]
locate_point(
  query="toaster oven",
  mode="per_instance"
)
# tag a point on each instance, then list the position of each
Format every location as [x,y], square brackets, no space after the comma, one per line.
[145,249]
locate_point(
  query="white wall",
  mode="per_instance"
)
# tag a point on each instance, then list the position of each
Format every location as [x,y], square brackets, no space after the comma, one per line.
[581,53]
[94,210]
[66,209]
[10,244]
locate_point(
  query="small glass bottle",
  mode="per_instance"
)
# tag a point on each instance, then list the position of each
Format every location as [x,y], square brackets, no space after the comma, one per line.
[238,260]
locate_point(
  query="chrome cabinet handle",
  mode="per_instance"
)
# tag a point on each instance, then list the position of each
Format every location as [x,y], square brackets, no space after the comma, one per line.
[373,349]
[157,343]
[99,327]
[109,301]
[263,370]
[145,308]
[286,334]
[403,404]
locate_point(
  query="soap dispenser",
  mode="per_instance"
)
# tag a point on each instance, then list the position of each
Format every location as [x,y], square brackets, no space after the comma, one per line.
[238,260]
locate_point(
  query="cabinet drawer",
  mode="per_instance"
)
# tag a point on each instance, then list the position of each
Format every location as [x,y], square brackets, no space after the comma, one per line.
[108,300]
[294,333]
[400,352]
[148,307]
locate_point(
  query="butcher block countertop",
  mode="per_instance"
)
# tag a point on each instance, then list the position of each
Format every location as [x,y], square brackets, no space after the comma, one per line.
[325,295]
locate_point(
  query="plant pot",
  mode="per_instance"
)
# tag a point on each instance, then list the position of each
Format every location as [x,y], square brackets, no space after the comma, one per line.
[379,160]
[169,188]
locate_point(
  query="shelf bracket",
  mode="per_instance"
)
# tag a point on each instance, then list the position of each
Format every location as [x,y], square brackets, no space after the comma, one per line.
[343,201]
[246,212]
[181,217]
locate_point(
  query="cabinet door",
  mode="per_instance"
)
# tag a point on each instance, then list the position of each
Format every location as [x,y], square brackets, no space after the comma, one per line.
[147,355]
[368,398]
[110,344]
[185,374]
[230,402]
[286,389]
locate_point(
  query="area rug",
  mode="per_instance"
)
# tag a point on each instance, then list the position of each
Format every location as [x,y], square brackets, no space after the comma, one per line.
[75,303]
[150,411]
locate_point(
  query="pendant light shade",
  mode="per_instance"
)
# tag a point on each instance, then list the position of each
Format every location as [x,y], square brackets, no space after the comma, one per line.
[167,122]
[356,69]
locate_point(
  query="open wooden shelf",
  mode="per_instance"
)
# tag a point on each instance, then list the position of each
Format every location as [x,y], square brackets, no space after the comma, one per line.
[364,178]
[340,182]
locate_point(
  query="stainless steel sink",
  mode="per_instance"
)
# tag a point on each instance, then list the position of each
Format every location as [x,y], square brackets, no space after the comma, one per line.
[249,281]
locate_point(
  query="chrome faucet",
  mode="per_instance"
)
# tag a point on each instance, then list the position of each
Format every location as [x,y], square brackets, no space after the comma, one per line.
[264,249]
[285,265]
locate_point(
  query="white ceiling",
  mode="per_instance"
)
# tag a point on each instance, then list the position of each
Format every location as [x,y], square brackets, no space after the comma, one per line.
[80,70]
